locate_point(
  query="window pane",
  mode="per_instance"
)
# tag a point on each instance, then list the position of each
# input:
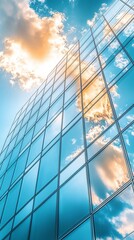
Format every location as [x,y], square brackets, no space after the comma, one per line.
[57,92]
[72,168]
[6,230]
[15,154]
[23,213]
[7,179]
[108,172]
[89,72]
[20,165]
[72,90]
[72,144]
[44,194]
[11,203]
[123,97]
[4,164]
[83,232]
[53,130]
[40,124]
[43,223]
[115,219]
[35,148]
[28,186]
[98,118]
[107,35]
[21,232]
[127,33]
[130,48]
[27,138]
[118,66]
[32,121]
[122,18]
[130,237]
[71,111]
[102,141]
[44,107]
[73,199]
[49,166]
[53,111]
[128,136]
[127,118]
[93,90]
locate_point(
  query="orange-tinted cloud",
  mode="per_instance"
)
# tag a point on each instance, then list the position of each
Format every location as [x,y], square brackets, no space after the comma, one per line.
[32,46]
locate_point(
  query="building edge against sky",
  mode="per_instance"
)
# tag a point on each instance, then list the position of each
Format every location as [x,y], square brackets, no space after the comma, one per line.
[67,166]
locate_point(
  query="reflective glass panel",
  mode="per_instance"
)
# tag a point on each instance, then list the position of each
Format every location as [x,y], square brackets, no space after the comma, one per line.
[21,232]
[72,144]
[73,199]
[53,130]
[72,168]
[48,166]
[20,165]
[28,186]
[11,202]
[71,111]
[118,66]
[44,221]
[127,118]
[128,136]
[130,48]
[40,124]
[35,148]
[93,90]
[108,172]
[100,142]
[46,192]
[83,232]
[122,92]
[115,219]
[27,138]
[98,118]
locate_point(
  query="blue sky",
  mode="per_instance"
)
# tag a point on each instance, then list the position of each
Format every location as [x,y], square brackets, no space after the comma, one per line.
[17,83]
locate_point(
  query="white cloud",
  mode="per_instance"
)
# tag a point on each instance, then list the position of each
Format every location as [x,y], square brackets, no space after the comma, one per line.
[94,132]
[97,15]
[73,155]
[96,200]
[127,142]
[42,1]
[111,168]
[130,118]
[129,29]
[73,141]
[32,46]
[124,222]
[120,61]
[132,133]
[114,45]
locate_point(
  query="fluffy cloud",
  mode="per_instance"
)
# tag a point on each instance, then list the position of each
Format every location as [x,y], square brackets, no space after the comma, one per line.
[124,222]
[117,215]
[122,18]
[31,45]
[114,45]
[97,15]
[102,109]
[108,171]
[74,154]
[120,61]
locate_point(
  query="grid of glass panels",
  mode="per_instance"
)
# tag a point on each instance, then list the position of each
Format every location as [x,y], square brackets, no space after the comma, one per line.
[67,166]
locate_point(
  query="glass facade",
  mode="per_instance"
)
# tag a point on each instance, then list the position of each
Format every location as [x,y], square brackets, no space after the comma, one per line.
[67,165]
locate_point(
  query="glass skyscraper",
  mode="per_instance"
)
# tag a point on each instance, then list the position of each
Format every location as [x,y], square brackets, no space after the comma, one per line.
[67,166]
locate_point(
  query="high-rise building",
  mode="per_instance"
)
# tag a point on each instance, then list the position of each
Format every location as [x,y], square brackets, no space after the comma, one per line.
[67,166]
